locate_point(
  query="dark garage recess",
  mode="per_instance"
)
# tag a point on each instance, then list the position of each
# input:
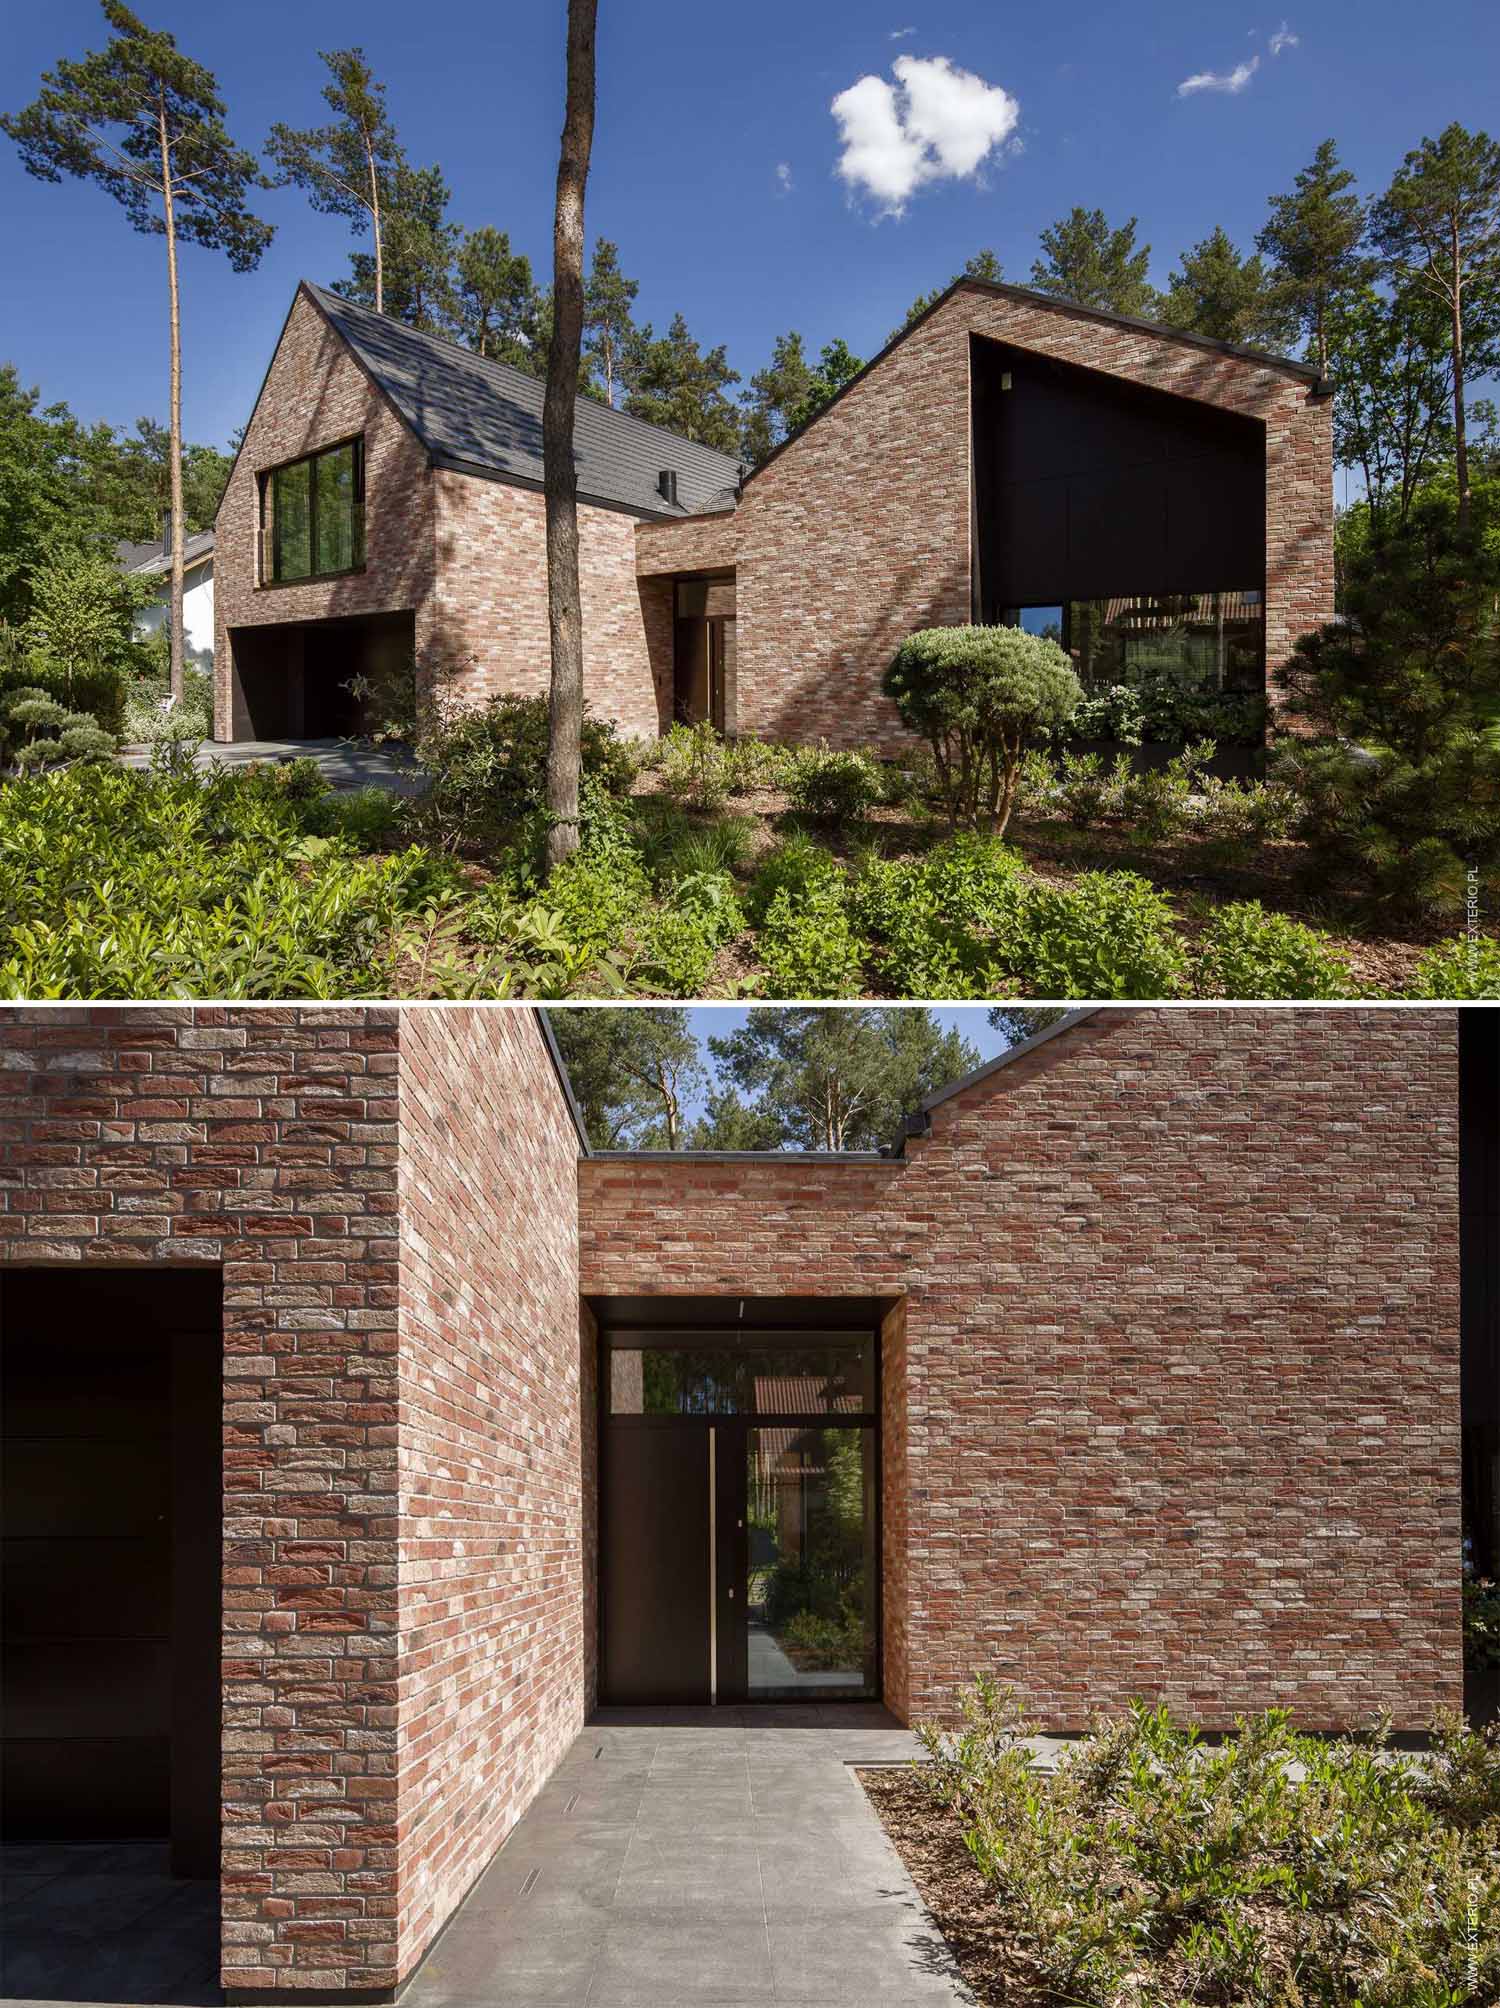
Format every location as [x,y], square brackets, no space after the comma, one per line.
[111,1504]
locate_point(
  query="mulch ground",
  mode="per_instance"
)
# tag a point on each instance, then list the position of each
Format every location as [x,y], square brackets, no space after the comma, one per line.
[929,1842]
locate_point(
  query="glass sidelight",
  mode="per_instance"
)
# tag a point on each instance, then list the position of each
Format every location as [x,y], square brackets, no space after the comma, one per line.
[810,1563]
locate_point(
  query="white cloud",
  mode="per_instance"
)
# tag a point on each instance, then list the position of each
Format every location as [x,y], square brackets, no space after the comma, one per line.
[936,123]
[784,182]
[900,34]
[1233,81]
[1283,39]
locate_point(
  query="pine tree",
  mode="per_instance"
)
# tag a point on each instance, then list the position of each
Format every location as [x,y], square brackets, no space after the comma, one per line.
[1218,293]
[1085,261]
[417,282]
[778,390]
[679,386]
[146,123]
[1439,224]
[1313,238]
[607,324]
[346,166]
[496,309]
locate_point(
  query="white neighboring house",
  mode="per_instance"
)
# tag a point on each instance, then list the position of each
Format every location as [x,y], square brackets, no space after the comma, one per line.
[154,561]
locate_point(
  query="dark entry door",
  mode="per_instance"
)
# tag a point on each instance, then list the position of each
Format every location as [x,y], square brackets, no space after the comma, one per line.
[656,1565]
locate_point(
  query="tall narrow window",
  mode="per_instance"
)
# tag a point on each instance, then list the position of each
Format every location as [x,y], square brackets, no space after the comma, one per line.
[312,516]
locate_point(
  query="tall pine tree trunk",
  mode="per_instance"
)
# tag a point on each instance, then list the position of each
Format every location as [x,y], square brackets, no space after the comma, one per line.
[174,416]
[375,227]
[1460,416]
[560,478]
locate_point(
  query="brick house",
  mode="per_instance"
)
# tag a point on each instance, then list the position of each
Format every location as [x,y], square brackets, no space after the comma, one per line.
[1155,499]
[413,1428]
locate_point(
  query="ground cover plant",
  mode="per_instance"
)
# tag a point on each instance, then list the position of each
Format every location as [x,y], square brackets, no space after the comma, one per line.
[706,868]
[1272,1869]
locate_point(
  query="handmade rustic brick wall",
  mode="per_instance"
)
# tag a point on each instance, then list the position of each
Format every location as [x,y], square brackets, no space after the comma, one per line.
[492,1454]
[408,1424]
[895,1517]
[316,394]
[860,532]
[1181,1400]
[489,611]
[262,1142]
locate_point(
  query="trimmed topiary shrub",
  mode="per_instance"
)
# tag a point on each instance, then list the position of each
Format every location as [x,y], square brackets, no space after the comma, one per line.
[980,696]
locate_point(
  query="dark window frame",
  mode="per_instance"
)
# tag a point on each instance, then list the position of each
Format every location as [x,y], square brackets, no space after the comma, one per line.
[266,538]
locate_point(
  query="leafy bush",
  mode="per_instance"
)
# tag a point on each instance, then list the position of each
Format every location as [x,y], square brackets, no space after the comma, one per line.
[674,845]
[489,771]
[1110,934]
[1085,789]
[795,866]
[950,923]
[979,696]
[1237,817]
[37,732]
[807,944]
[834,787]
[1466,969]
[1271,1870]
[695,764]
[370,818]
[759,763]
[1155,801]
[681,937]
[1247,952]
[98,692]
[145,723]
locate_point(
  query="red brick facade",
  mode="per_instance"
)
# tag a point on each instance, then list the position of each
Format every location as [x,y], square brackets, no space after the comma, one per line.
[860,531]
[466,556]
[1170,1391]
[856,534]
[1176,1399]
[391,1199]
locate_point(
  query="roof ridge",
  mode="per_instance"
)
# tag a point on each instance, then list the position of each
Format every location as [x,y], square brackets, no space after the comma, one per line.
[343,302]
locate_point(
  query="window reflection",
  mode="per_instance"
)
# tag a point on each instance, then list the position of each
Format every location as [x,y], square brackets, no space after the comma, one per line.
[749,1380]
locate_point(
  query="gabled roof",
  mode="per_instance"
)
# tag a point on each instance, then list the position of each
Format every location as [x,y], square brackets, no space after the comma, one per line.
[484,417]
[1057,303]
[149,557]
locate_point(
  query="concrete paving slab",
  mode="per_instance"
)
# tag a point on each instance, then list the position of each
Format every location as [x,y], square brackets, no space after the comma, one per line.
[344,763]
[751,1870]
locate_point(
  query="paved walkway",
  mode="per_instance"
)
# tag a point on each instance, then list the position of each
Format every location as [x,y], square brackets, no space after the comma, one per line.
[105,1923]
[345,763]
[694,1856]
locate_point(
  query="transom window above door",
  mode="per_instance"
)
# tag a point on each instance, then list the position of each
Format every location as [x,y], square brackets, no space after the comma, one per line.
[312,515]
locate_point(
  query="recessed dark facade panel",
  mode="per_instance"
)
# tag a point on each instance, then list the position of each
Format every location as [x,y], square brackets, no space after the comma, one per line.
[1088,487]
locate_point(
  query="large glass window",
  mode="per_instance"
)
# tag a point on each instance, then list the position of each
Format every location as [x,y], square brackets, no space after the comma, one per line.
[748,1380]
[1208,641]
[312,515]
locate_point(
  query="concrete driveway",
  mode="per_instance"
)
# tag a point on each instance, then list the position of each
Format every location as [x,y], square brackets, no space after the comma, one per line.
[694,1856]
[344,763]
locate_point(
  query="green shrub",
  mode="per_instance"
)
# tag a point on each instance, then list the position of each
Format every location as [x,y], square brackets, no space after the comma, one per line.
[98,691]
[192,717]
[1247,952]
[1085,789]
[979,696]
[807,943]
[1466,969]
[673,845]
[1155,801]
[1110,934]
[1271,1870]
[948,924]
[695,765]
[796,865]
[370,818]
[489,771]
[1236,817]
[680,937]
[835,787]
[759,763]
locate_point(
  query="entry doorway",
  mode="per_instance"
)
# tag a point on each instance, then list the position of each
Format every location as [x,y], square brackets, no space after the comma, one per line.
[739,1514]
[111,1504]
[703,632]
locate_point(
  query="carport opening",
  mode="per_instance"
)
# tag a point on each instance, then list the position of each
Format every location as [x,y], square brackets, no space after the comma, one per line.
[111,1505]
[304,679]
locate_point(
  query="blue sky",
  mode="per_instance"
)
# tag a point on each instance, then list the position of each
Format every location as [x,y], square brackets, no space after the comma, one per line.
[716,1021]
[701,108]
